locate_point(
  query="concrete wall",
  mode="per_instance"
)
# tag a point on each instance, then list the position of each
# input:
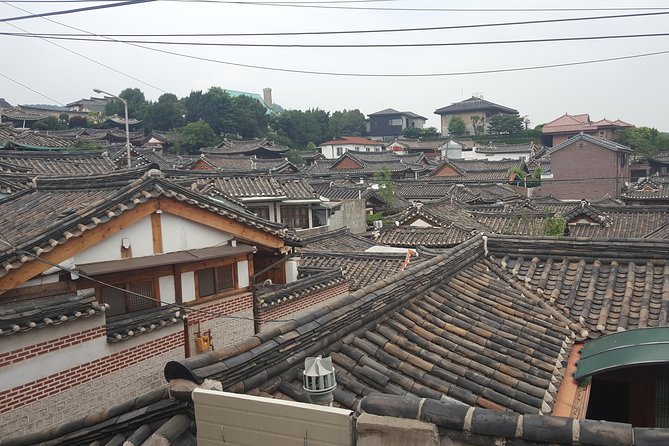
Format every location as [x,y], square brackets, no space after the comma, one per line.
[352,215]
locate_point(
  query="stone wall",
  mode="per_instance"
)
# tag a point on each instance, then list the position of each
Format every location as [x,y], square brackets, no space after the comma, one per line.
[351,214]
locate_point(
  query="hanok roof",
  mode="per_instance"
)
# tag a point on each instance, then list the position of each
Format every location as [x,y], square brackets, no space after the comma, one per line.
[33,140]
[247,187]
[37,220]
[646,189]
[24,315]
[448,327]
[500,148]
[412,237]
[477,170]
[247,147]
[470,193]
[352,140]
[607,144]
[55,163]
[364,163]
[310,280]
[18,114]
[339,240]
[359,268]
[474,104]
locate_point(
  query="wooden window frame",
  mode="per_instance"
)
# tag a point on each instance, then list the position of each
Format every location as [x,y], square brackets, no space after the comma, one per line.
[126,285]
[217,293]
[290,216]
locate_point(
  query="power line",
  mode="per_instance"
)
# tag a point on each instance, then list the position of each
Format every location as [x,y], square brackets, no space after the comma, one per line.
[383,30]
[290,4]
[72,11]
[350,46]
[79,54]
[31,89]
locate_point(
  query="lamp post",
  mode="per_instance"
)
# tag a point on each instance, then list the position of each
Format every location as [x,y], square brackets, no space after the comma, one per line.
[127,130]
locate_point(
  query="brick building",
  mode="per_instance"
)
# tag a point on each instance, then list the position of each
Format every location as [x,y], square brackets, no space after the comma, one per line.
[587,167]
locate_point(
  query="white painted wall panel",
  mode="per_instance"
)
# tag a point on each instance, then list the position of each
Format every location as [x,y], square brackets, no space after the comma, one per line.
[140,238]
[180,234]
[225,419]
[243,274]
[188,286]
[167,293]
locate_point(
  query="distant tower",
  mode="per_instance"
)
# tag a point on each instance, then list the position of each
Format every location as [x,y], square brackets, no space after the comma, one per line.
[267,96]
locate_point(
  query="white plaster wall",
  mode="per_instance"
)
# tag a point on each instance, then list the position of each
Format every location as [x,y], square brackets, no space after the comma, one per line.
[187,286]
[39,335]
[243,274]
[180,234]
[291,270]
[421,224]
[140,238]
[89,398]
[166,284]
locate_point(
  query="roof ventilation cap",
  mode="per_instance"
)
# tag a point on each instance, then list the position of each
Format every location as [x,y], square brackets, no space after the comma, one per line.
[319,380]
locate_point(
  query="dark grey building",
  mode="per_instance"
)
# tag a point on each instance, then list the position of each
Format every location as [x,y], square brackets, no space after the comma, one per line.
[386,125]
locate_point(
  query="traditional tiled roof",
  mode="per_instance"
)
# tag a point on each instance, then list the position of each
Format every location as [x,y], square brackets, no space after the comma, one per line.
[152,418]
[606,285]
[18,114]
[58,210]
[501,148]
[360,269]
[411,237]
[352,140]
[61,163]
[258,186]
[448,328]
[126,326]
[478,170]
[569,123]
[33,140]
[311,280]
[438,213]
[646,189]
[474,104]
[607,144]
[339,240]
[369,162]
[469,193]
[246,147]
[418,144]
[24,315]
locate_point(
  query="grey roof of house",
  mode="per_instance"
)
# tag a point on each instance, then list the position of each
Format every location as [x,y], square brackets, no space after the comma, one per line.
[360,269]
[258,186]
[61,209]
[608,144]
[245,147]
[339,240]
[474,104]
[24,315]
[412,237]
[55,163]
[310,280]
[392,111]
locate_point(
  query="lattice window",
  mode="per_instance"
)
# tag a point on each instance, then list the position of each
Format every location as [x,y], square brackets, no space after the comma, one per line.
[121,302]
[215,280]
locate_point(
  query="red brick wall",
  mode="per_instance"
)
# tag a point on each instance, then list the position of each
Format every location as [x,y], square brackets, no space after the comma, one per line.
[214,309]
[584,170]
[51,345]
[66,379]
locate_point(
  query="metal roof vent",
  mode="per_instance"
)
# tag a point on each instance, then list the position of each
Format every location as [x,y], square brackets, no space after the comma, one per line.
[319,380]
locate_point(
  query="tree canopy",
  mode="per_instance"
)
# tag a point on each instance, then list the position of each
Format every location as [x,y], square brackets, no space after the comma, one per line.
[645,141]
[503,124]
[456,126]
[194,136]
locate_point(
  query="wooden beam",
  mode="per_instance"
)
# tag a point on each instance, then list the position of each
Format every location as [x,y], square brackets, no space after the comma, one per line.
[157,233]
[220,222]
[75,245]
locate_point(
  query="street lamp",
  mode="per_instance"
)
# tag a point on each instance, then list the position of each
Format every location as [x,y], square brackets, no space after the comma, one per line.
[127,131]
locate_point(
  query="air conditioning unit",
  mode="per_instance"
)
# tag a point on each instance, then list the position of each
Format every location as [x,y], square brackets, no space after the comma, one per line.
[378,224]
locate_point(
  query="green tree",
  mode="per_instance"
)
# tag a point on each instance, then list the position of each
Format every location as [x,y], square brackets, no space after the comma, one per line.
[346,123]
[555,226]
[502,124]
[412,132]
[302,127]
[456,126]
[645,141]
[136,104]
[194,136]
[50,123]
[250,117]
[76,122]
[166,114]
[215,107]
[478,122]
[386,188]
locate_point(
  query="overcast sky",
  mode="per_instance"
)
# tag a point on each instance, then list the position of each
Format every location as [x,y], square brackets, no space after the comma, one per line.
[634,90]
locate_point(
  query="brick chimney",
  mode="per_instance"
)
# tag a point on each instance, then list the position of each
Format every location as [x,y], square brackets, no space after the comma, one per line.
[267,96]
